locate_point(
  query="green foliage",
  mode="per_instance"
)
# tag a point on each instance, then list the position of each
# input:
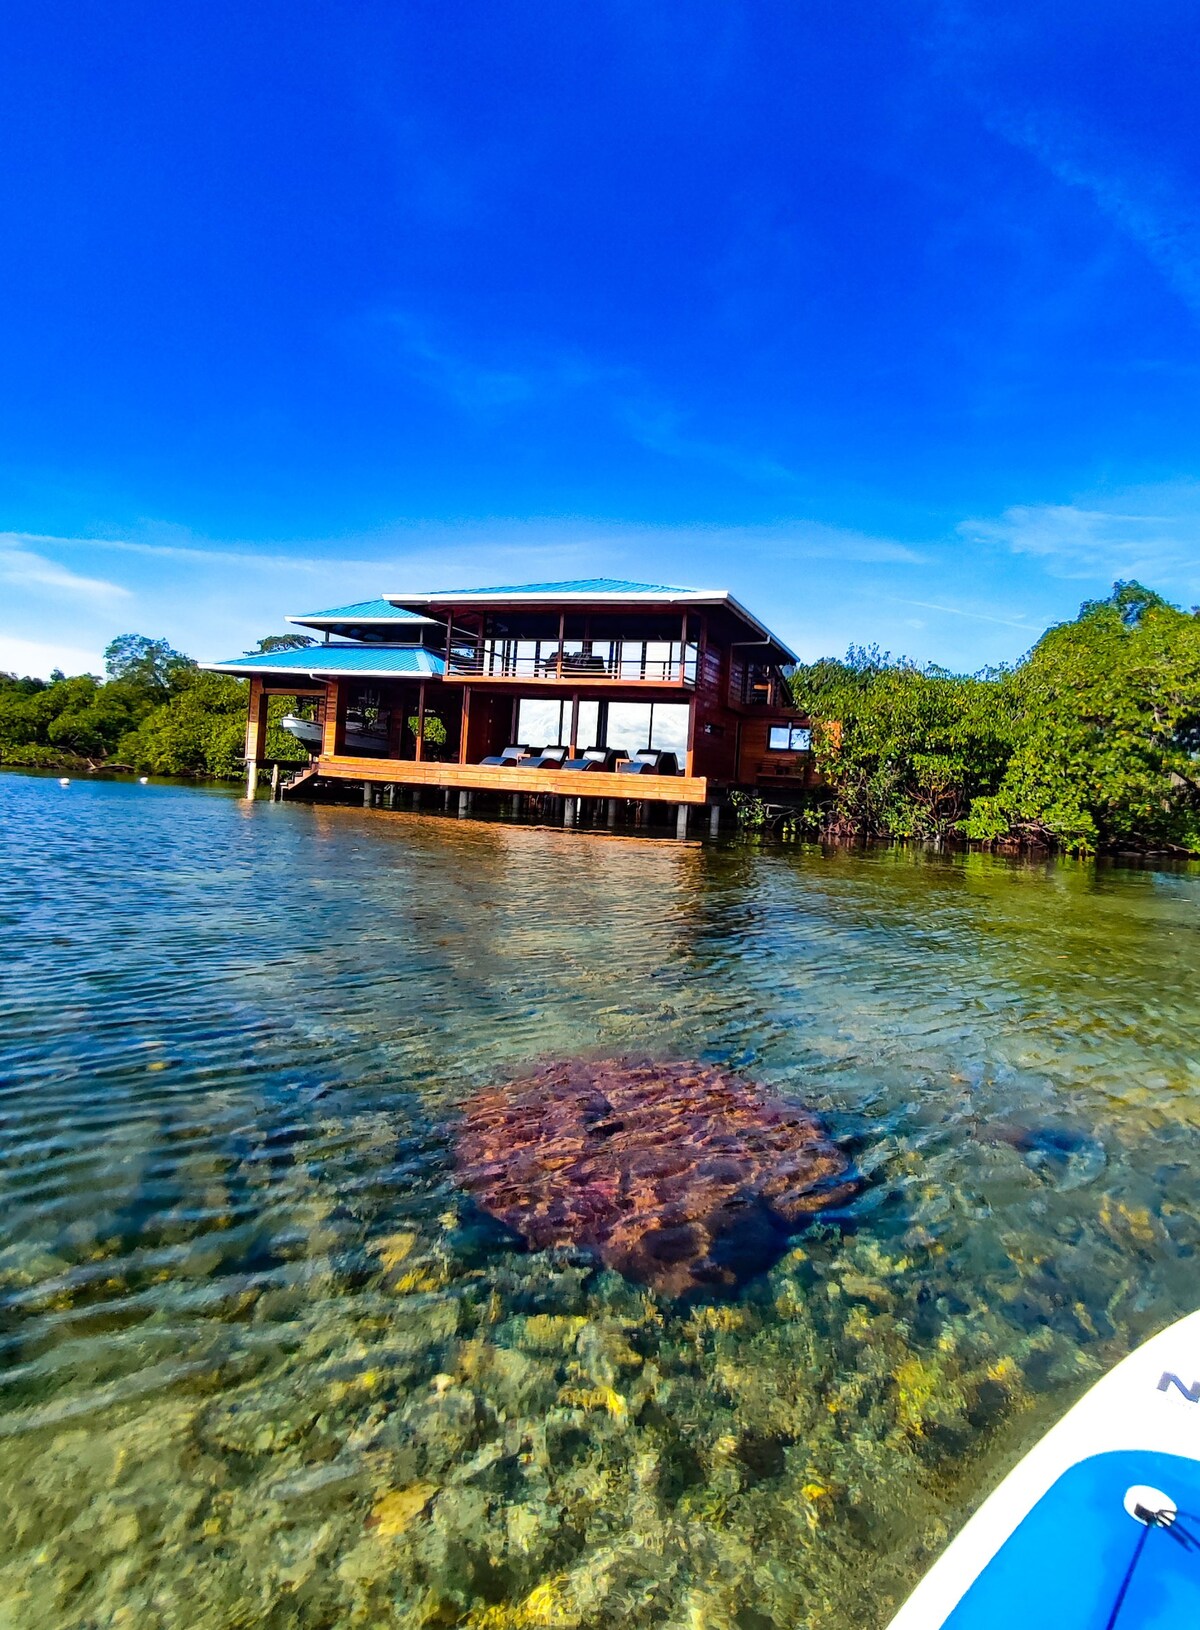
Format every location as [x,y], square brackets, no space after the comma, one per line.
[1108,750]
[434,732]
[1092,741]
[147,665]
[201,729]
[906,750]
[286,642]
[157,711]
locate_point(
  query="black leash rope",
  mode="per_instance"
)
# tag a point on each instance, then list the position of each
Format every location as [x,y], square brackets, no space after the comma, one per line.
[1125,1583]
[1169,1524]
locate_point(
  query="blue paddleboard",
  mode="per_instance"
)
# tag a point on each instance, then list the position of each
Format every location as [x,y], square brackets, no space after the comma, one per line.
[1098,1528]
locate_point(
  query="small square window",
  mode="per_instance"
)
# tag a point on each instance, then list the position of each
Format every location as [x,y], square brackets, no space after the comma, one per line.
[789,738]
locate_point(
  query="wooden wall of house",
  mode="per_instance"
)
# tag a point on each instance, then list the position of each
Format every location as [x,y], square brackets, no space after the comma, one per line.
[488,724]
[759,766]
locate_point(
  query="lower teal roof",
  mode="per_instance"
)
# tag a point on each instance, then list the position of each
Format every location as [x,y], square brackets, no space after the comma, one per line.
[367,661]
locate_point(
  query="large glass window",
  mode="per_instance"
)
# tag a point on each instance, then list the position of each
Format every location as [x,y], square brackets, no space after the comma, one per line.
[546,722]
[589,724]
[540,721]
[669,728]
[632,725]
[628,725]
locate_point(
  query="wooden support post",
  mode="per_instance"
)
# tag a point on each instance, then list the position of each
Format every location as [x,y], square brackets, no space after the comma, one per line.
[333,726]
[420,754]
[464,802]
[391,795]
[256,734]
[639,813]
[681,820]
[275,782]
[714,818]
[447,795]
[574,743]
[610,813]
[562,632]
[367,790]
[568,811]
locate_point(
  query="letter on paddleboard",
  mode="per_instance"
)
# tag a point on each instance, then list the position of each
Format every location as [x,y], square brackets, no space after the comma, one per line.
[1192,1393]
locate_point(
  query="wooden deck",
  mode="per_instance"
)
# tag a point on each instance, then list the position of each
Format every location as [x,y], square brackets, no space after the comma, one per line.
[659,789]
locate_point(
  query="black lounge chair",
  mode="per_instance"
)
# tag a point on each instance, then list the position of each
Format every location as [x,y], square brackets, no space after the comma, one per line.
[550,758]
[594,758]
[510,755]
[650,761]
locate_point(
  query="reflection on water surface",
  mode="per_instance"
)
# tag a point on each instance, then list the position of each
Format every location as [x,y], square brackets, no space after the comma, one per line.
[261,1364]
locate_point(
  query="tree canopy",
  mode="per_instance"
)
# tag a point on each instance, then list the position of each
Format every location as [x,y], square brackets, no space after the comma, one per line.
[1091,741]
[156,711]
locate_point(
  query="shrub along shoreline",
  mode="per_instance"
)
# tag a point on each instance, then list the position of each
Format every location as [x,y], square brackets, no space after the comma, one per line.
[155,710]
[1091,742]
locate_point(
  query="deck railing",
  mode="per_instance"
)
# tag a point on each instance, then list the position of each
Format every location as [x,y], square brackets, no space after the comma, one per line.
[625,663]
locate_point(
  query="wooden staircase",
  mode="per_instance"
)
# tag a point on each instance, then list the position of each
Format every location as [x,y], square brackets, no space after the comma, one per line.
[301,784]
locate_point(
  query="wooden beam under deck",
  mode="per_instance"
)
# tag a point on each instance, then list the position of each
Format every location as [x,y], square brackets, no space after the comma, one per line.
[657,789]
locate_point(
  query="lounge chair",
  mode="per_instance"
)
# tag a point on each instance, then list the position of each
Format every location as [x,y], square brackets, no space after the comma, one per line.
[594,758]
[550,758]
[510,755]
[650,761]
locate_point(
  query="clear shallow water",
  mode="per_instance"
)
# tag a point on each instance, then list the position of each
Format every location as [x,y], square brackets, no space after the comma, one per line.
[260,1366]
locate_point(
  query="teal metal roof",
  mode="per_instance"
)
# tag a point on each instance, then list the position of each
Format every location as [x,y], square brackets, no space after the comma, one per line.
[368,661]
[362,611]
[618,590]
[582,585]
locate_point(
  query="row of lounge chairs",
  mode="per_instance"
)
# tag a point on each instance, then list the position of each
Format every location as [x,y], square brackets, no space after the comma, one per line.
[646,761]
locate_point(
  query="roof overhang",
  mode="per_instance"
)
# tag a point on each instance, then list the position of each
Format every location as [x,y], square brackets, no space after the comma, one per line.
[324,662]
[584,597]
[364,622]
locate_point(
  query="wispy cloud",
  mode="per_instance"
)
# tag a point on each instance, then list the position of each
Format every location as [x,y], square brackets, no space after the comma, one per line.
[1140,193]
[963,611]
[24,568]
[546,376]
[663,430]
[22,656]
[1149,533]
[482,386]
[1140,197]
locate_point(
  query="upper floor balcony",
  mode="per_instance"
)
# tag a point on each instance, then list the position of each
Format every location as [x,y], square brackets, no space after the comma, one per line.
[578,662]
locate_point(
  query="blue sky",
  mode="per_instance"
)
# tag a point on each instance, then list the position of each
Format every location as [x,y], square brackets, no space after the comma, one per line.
[884,317]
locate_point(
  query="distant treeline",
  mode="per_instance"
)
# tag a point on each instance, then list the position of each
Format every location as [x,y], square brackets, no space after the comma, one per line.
[1091,741]
[155,710]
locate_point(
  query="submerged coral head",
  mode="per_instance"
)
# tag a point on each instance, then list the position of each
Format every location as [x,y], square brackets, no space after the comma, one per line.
[681,1176]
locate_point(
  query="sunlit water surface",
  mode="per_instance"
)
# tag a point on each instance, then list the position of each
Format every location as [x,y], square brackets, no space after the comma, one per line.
[260,1366]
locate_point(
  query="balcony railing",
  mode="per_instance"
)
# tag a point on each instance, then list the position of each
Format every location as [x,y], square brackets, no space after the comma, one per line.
[624,663]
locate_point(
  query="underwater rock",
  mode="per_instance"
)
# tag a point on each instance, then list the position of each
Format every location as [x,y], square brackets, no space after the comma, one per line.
[680,1176]
[399,1509]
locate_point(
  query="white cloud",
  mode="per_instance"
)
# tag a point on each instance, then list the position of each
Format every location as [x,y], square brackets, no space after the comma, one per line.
[25,569]
[40,657]
[1151,533]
